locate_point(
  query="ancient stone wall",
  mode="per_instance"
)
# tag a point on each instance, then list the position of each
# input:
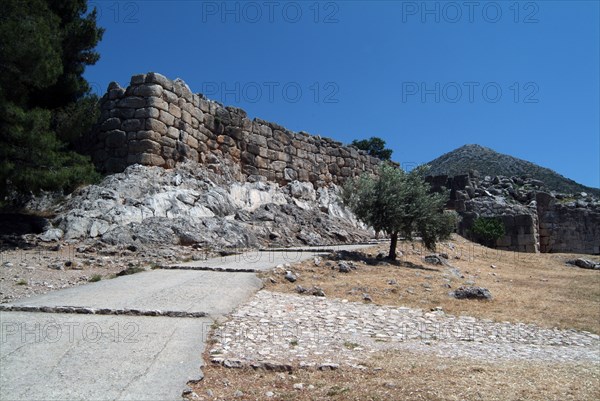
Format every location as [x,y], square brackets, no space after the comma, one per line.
[159,122]
[568,226]
[534,220]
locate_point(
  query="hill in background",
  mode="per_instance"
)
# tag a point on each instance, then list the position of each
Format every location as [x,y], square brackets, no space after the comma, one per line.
[489,162]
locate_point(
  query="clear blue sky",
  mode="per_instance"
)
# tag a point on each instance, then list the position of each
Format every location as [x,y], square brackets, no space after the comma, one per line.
[519,77]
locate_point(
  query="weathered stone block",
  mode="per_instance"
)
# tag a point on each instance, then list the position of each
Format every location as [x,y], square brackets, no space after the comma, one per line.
[125,114]
[290,174]
[116,139]
[197,114]
[274,145]
[193,142]
[114,94]
[147,112]
[137,79]
[160,79]
[144,146]
[132,102]
[170,97]
[167,118]
[204,105]
[175,110]
[157,103]
[173,132]
[150,159]
[278,166]
[235,133]
[155,136]
[282,137]
[156,125]
[265,131]
[167,141]
[110,124]
[186,117]
[261,162]
[132,125]
[148,90]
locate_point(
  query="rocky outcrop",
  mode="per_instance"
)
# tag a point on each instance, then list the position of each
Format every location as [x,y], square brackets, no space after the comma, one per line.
[159,122]
[192,205]
[535,219]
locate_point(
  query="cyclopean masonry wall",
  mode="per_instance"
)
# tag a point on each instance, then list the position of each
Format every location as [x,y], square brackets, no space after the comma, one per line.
[568,225]
[159,122]
[534,219]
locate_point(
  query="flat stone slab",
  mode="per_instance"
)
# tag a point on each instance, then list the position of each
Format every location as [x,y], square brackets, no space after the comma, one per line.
[92,357]
[213,293]
[261,260]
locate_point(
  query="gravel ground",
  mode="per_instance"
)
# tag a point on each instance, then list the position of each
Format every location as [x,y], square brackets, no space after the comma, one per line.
[314,331]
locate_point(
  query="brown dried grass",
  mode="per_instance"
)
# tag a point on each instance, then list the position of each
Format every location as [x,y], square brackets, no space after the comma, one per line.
[407,376]
[528,288]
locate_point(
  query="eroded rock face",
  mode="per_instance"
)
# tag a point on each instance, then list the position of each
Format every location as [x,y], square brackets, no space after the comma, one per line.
[190,204]
[535,219]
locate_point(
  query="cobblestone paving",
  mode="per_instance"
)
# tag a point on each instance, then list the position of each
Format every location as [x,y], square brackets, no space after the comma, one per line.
[309,331]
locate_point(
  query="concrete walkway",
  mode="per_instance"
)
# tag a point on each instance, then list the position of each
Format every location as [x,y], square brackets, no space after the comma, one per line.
[97,355]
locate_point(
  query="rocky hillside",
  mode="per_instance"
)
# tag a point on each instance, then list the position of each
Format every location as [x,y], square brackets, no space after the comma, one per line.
[489,162]
[191,205]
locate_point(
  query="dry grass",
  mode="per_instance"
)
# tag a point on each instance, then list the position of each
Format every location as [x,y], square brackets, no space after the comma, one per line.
[538,289]
[406,376]
[530,288]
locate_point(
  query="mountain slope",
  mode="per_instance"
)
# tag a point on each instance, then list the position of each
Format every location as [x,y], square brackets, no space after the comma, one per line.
[490,162]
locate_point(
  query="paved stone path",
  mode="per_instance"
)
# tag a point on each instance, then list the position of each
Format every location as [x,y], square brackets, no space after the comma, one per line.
[111,340]
[291,329]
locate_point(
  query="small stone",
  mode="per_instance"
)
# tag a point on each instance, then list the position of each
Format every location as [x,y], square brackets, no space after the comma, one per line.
[493,266]
[329,366]
[56,266]
[298,386]
[472,293]
[317,260]
[584,263]
[300,289]
[317,292]
[367,297]
[238,394]
[269,394]
[344,267]
[433,259]
[291,277]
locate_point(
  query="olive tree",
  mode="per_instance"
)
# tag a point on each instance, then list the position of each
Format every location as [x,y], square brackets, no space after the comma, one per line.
[399,203]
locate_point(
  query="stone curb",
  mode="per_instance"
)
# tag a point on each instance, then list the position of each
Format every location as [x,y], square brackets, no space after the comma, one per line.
[269,365]
[210,269]
[98,311]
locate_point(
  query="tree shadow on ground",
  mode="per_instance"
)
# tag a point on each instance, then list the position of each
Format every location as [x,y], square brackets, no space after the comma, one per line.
[357,256]
[14,225]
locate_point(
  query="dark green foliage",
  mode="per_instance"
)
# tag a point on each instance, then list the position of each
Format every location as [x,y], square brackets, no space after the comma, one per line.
[375,146]
[488,229]
[45,106]
[488,162]
[400,203]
